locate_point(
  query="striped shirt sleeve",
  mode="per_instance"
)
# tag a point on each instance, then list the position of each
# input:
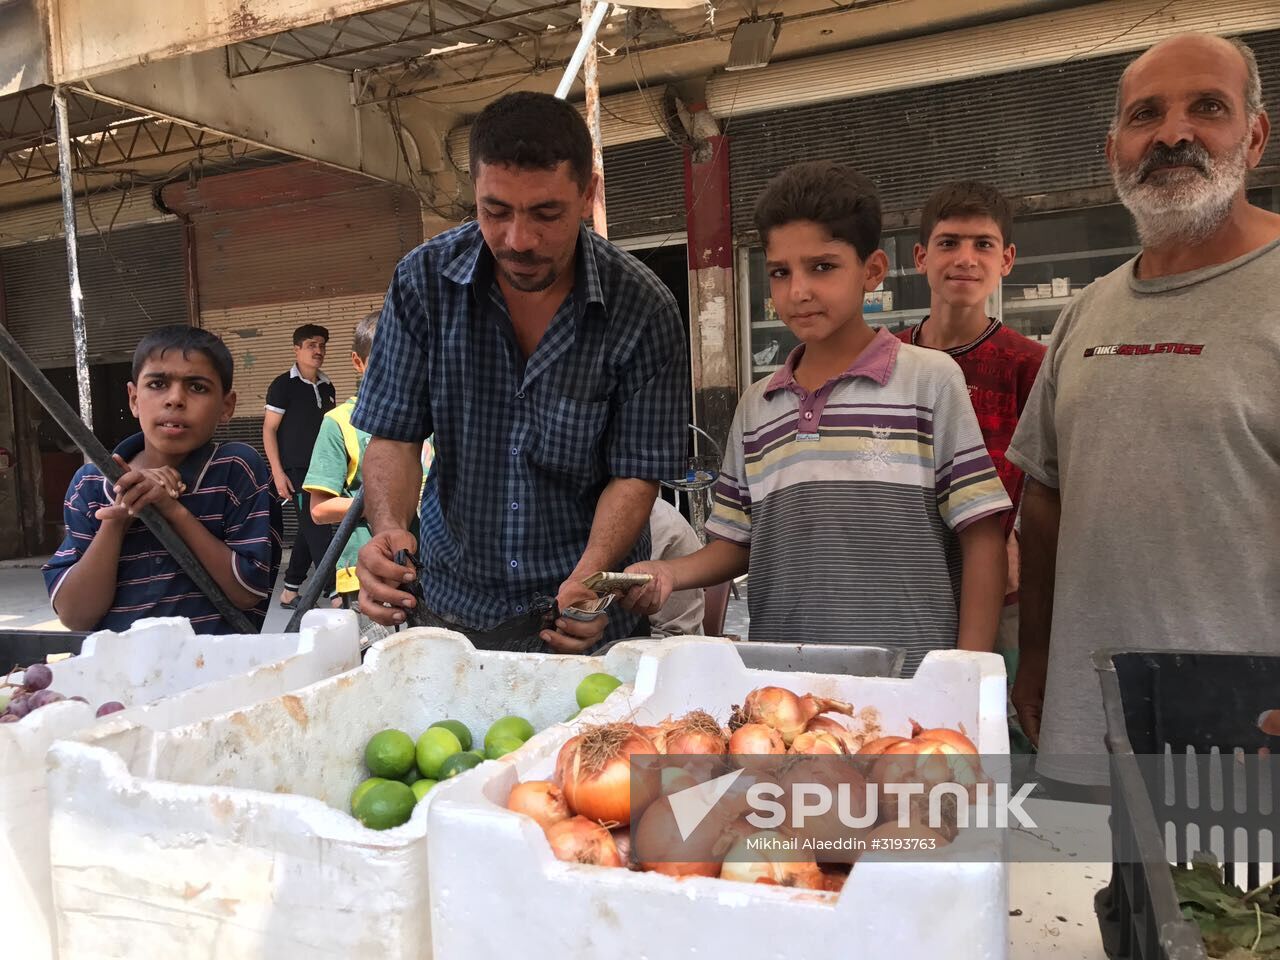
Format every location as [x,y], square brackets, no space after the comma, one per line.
[81,526]
[253,520]
[965,480]
[731,498]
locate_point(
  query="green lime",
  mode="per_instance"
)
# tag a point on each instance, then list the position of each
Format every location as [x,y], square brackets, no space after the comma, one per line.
[421,788]
[389,754]
[458,729]
[595,689]
[412,777]
[479,753]
[434,747]
[459,763]
[501,746]
[364,788]
[514,728]
[386,805]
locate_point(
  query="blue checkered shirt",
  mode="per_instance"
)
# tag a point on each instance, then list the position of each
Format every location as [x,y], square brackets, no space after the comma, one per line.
[524,448]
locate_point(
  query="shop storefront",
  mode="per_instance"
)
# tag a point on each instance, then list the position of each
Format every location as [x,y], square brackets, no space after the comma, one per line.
[1038,135]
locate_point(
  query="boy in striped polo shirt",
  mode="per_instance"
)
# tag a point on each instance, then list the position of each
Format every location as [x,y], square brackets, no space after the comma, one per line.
[111,570]
[856,489]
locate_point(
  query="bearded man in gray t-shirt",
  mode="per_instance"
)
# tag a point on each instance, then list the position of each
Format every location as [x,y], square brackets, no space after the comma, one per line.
[1151,441]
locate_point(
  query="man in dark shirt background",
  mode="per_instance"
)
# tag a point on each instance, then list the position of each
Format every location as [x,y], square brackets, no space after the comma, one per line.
[296,404]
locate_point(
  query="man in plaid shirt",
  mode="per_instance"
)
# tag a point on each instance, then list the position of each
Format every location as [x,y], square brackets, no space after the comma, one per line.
[551,368]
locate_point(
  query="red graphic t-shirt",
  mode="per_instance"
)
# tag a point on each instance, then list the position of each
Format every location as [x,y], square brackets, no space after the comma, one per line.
[999,366]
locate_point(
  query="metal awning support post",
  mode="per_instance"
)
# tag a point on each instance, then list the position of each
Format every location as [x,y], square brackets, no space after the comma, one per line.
[584,58]
[73,257]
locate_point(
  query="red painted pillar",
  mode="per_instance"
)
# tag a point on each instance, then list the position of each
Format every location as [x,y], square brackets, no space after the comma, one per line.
[711,290]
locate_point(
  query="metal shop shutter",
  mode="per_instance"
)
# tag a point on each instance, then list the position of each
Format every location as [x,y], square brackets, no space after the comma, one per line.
[644,189]
[134,280]
[1029,132]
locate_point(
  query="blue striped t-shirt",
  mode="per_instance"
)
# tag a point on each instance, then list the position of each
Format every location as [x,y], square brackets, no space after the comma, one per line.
[228,489]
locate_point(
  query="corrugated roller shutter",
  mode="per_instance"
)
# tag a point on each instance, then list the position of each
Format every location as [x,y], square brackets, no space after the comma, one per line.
[644,188]
[133,280]
[1031,132]
[112,209]
[328,260]
[1022,43]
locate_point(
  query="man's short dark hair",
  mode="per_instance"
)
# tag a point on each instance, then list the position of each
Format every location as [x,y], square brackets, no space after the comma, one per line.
[838,198]
[967,198]
[362,339]
[179,336]
[532,130]
[307,331]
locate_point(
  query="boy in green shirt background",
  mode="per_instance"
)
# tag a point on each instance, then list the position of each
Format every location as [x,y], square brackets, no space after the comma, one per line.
[334,475]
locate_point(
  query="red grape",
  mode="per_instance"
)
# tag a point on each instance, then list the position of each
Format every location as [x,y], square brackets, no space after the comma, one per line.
[42,698]
[111,706]
[37,677]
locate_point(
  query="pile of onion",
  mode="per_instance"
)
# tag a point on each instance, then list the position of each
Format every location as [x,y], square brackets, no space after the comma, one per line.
[928,757]
[784,711]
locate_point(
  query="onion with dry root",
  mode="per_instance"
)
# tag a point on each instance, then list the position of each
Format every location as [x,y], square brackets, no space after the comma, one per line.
[540,799]
[784,711]
[695,733]
[579,840]
[594,771]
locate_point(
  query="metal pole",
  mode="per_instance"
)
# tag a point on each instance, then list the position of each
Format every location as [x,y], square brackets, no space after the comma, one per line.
[590,25]
[97,454]
[73,257]
[591,81]
[307,599]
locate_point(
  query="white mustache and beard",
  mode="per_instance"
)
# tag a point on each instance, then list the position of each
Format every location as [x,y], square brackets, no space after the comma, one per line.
[1184,205]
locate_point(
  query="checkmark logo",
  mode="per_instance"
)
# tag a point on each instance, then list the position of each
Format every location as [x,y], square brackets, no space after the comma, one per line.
[692,804]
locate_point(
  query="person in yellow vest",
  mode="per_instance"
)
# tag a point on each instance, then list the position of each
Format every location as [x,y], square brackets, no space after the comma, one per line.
[334,475]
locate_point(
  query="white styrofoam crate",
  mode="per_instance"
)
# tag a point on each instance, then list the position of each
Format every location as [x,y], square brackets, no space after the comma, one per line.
[497,890]
[231,837]
[164,674]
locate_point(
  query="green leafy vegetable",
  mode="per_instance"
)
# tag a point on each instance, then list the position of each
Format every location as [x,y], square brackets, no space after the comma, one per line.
[1235,925]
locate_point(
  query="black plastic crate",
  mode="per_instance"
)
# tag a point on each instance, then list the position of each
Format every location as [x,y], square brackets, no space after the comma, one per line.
[21,648]
[1171,704]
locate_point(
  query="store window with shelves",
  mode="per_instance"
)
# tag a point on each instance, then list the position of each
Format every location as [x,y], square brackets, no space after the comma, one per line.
[1059,254]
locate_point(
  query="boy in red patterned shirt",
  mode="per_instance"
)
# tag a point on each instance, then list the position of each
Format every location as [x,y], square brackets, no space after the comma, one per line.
[965,250]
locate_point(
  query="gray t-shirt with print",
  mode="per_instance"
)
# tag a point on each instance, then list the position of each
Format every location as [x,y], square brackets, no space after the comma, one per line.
[1157,416]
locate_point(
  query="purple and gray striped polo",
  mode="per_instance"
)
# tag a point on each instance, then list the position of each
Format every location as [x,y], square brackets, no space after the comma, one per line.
[849,498]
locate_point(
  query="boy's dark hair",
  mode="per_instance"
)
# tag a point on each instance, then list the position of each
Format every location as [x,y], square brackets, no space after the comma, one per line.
[532,130]
[838,198]
[362,339]
[179,336]
[967,198]
[307,331]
